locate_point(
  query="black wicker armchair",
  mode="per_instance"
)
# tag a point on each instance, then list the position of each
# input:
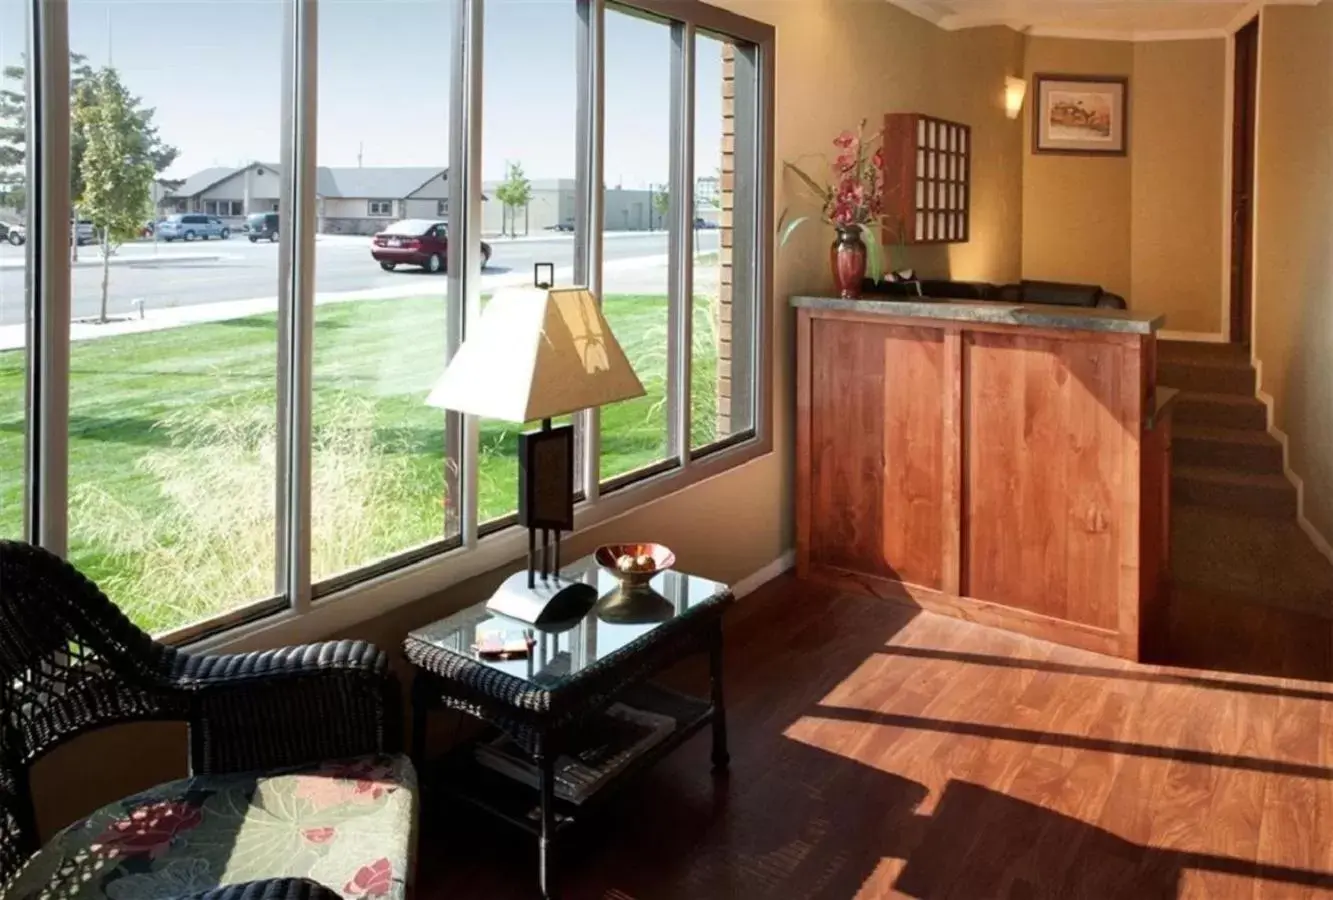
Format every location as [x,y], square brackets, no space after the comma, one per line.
[295,780]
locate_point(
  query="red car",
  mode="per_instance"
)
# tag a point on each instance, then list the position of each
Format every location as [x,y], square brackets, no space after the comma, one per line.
[417,242]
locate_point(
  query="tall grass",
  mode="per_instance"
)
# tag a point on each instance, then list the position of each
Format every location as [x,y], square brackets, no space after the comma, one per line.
[211,536]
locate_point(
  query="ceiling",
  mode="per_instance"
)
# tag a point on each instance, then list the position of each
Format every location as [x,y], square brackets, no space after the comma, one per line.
[1109,19]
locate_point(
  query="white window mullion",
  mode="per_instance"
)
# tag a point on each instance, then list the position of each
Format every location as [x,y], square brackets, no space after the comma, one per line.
[680,242]
[589,203]
[48,276]
[296,300]
[464,249]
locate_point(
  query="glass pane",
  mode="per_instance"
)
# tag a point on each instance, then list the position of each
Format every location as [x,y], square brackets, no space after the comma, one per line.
[13,309]
[529,117]
[722,368]
[638,193]
[173,367]
[383,465]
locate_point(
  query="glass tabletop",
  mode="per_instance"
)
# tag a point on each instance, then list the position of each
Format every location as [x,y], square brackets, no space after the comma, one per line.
[558,654]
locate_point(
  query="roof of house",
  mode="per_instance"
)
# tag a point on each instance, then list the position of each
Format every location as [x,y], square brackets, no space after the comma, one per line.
[386,182]
[389,182]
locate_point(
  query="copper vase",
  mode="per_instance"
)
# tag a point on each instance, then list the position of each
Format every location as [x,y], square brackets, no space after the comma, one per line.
[849,262]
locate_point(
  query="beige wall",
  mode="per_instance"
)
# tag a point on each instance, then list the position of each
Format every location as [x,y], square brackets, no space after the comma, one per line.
[1076,209]
[836,63]
[1293,299]
[1177,147]
[1147,225]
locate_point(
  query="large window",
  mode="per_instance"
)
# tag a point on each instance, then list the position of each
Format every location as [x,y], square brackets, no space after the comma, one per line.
[382,468]
[635,276]
[243,430]
[527,170]
[723,340]
[173,366]
[13,270]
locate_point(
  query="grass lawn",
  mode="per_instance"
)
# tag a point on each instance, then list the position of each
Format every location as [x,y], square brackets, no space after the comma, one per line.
[172,447]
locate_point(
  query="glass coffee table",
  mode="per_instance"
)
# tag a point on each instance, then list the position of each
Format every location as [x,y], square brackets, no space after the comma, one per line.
[578,713]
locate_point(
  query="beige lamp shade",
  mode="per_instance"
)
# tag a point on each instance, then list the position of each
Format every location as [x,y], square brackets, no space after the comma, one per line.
[536,354]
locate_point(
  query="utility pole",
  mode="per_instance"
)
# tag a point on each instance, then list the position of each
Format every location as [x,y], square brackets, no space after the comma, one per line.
[360,149]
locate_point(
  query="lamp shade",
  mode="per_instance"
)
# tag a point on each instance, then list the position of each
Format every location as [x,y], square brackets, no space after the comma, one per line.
[536,353]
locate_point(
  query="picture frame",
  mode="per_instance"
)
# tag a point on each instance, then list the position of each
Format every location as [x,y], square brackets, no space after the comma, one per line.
[1080,115]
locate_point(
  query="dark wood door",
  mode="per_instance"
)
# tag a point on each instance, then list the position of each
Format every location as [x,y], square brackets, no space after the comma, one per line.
[1242,180]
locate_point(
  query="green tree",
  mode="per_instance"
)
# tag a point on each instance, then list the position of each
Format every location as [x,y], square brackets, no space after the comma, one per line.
[115,169]
[13,131]
[661,204]
[515,193]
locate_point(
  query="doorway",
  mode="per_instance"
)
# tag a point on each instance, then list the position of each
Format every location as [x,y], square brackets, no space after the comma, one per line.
[1245,105]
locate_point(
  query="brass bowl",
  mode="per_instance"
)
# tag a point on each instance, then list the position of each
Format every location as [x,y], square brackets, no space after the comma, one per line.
[661,556]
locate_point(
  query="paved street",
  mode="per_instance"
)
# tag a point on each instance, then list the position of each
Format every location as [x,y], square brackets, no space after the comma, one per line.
[244,271]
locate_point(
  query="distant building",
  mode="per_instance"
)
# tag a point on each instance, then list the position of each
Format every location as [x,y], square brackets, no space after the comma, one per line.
[347,200]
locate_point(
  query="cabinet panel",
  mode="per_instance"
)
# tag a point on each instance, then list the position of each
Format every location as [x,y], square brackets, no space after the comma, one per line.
[876,450]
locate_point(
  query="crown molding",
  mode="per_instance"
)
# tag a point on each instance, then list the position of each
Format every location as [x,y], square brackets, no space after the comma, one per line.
[925,9]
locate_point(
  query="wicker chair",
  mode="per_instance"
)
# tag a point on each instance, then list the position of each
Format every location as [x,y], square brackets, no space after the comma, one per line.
[310,729]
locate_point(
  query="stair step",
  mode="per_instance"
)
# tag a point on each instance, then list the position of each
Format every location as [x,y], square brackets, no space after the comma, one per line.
[1214,376]
[1189,351]
[1226,448]
[1258,494]
[1225,410]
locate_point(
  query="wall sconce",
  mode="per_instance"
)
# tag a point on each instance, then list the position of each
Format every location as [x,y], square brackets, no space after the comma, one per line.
[1015,89]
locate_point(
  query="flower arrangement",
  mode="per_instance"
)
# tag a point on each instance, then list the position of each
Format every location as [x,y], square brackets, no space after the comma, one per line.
[852,198]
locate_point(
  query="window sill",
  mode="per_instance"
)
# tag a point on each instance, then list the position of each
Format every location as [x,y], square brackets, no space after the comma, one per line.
[380,594]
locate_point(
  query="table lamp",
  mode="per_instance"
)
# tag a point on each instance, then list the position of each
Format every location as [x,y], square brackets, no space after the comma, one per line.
[537,353]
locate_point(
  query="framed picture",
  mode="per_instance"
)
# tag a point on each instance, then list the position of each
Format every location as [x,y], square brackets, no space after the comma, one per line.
[1081,114]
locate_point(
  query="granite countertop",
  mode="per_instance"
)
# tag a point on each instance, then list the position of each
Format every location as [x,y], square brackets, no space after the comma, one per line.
[985,312]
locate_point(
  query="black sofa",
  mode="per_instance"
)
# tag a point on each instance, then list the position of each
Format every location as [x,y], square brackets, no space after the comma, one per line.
[1054,293]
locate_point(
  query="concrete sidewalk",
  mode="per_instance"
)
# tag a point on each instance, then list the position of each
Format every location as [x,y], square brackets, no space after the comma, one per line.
[621,275]
[129,259]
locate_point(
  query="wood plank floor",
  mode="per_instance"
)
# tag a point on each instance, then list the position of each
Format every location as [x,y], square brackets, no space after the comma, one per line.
[881,752]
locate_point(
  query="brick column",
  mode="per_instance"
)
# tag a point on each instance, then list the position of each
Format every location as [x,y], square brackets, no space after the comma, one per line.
[726,206]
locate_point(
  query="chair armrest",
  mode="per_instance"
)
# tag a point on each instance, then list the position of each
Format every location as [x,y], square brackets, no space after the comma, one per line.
[289,707]
[276,889]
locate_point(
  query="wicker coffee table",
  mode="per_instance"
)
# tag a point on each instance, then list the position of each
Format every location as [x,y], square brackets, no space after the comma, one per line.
[545,703]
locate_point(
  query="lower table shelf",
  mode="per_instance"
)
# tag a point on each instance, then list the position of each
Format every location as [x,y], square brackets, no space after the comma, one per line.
[459,776]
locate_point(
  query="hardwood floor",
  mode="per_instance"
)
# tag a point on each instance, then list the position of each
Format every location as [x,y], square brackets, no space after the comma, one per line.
[882,752]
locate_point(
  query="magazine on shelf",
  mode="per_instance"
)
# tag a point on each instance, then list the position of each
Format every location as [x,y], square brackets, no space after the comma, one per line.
[613,740]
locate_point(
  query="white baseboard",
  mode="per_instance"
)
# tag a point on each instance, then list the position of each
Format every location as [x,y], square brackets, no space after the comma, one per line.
[1320,542]
[1198,337]
[764,575]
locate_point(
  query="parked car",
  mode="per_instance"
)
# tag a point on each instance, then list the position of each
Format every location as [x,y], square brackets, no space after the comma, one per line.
[17,235]
[417,242]
[567,225]
[262,225]
[85,232]
[191,226]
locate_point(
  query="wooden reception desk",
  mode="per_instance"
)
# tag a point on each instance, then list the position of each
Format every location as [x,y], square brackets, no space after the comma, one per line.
[1003,464]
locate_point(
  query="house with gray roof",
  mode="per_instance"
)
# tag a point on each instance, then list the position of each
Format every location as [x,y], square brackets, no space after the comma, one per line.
[348,200]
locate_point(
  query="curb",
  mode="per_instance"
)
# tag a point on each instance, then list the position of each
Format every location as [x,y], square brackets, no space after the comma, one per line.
[132,260]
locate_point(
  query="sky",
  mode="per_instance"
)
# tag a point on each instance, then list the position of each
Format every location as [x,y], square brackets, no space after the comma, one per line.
[212,70]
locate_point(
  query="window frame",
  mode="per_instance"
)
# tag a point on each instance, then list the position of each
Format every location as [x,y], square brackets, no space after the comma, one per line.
[299,609]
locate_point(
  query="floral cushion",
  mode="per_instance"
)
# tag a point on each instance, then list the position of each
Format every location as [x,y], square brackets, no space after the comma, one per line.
[348,825]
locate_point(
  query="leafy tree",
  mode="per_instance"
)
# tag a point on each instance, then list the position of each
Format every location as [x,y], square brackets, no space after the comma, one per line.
[661,204]
[115,168]
[13,130]
[515,192]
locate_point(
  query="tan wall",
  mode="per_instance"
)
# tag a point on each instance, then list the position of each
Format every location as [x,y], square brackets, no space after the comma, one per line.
[1076,209]
[1177,147]
[1293,299]
[837,62]
[1147,225]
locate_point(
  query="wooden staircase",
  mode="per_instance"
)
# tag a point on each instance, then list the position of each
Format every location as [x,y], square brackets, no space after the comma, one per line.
[1222,454]
[1235,539]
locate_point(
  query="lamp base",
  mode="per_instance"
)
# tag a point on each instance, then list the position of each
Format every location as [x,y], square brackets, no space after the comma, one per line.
[552,600]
